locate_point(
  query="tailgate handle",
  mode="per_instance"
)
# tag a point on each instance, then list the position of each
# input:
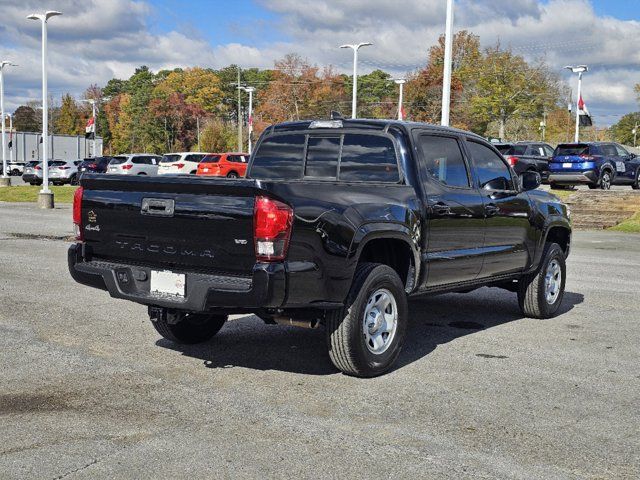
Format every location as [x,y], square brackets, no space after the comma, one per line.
[162,207]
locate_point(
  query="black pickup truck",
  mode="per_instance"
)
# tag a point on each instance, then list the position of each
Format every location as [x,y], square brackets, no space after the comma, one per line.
[337,223]
[528,156]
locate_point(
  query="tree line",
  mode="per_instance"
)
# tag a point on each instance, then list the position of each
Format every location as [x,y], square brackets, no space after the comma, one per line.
[495,93]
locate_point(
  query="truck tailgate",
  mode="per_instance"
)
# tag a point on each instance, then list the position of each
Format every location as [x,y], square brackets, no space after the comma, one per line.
[200,224]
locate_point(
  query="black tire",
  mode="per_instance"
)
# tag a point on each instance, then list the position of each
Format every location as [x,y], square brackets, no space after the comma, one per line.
[232,175]
[345,332]
[532,295]
[73,180]
[593,187]
[636,185]
[193,328]
[605,180]
[15,172]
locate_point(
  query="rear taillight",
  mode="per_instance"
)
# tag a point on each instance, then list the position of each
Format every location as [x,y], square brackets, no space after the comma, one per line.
[179,165]
[586,157]
[77,213]
[64,168]
[272,222]
[38,167]
[512,161]
[127,167]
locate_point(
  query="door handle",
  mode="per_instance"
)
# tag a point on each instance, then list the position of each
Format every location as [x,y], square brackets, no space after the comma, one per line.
[162,207]
[491,209]
[441,209]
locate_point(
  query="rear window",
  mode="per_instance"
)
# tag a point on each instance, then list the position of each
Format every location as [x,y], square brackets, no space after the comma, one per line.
[503,148]
[279,157]
[210,159]
[169,158]
[516,150]
[322,157]
[118,160]
[57,163]
[569,150]
[368,158]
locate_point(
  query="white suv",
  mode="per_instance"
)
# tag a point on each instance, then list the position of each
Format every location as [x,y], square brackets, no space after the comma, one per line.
[184,163]
[134,164]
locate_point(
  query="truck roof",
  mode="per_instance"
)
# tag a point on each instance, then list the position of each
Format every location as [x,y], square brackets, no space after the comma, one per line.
[369,123]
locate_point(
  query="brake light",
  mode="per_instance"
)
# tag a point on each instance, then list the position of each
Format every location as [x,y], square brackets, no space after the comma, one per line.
[127,167]
[64,168]
[586,157]
[512,161]
[179,165]
[272,222]
[38,167]
[77,213]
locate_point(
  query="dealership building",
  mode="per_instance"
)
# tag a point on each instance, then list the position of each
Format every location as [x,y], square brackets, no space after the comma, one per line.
[26,146]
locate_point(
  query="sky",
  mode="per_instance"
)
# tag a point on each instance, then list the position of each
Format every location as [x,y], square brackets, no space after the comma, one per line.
[96,40]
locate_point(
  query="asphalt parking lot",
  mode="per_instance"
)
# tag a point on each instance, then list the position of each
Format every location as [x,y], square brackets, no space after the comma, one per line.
[89,390]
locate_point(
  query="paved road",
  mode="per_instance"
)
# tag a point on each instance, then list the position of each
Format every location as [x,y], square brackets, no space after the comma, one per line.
[88,390]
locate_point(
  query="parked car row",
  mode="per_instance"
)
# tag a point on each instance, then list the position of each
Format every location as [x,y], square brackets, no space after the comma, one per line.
[596,164]
[232,165]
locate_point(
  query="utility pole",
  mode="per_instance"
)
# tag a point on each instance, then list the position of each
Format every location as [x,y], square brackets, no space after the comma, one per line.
[635,135]
[6,181]
[543,125]
[354,99]
[94,127]
[579,69]
[239,115]
[448,65]
[45,197]
[400,82]
[250,91]
[11,149]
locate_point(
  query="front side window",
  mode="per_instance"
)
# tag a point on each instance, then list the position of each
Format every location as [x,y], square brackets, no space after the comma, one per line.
[444,161]
[368,158]
[621,151]
[492,171]
[280,156]
[322,157]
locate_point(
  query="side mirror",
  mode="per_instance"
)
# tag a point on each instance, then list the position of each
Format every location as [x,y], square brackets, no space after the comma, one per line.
[530,181]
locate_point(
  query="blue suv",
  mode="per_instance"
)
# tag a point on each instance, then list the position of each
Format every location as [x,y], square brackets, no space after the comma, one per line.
[596,164]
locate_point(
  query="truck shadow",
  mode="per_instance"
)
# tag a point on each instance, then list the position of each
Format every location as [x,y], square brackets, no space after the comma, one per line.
[249,343]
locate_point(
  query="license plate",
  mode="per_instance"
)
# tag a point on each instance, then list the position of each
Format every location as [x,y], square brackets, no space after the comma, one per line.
[113,169]
[205,169]
[567,165]
[168,283]
[83,169]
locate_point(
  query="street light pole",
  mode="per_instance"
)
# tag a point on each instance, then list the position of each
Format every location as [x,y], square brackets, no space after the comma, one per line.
[579,69]
[448,65]
[250,91]
[45,197]
[635,135]
[92,101]
[6,181]
[355,49]
[400,82]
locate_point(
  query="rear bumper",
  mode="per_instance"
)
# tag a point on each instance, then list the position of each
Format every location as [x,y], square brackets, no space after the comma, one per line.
[29,177]
[266,287]
[588,176]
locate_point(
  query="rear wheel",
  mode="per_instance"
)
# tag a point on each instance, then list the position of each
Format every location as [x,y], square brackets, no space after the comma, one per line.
[366,335]
[636,184]
[192,328]
[605,180]
[540,293]
[15,172]
[232,175]
[73,180]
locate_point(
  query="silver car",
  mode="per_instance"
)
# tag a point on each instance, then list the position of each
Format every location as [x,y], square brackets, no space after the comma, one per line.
[134,164]
[32,173]
[63,171]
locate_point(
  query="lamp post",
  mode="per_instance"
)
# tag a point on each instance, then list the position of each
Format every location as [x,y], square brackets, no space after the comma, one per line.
[250,91]
[579,69]
[448,65]
[635,135]
[355,49]
[400,82]
[45,197]
[6,181]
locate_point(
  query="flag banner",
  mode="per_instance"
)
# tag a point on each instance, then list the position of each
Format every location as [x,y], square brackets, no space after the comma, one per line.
[90,129]
[583,112]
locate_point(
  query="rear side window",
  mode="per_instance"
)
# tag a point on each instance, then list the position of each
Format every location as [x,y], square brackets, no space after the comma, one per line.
[571,150]
[492,172]
[194,157]
[170,158]
[279,156]
[504,148]
[322,157]
[444,161]
[138,160]
[237,159]
[369,158]
[517,150]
